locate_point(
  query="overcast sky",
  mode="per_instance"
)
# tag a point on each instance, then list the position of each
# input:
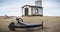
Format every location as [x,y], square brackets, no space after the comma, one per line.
[13,7]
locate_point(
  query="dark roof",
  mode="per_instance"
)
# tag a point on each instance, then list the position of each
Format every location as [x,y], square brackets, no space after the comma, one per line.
[31,6]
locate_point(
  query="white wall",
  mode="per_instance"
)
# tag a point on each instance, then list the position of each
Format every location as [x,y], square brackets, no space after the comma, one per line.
[38,3]
[30,11]
[33,10]
[40,11]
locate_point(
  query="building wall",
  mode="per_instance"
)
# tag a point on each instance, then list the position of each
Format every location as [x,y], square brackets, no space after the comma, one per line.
[30,11]
[38,3]
[40,11]
[33,11]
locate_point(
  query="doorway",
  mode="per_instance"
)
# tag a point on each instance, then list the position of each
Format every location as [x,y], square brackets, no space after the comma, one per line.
[26,11]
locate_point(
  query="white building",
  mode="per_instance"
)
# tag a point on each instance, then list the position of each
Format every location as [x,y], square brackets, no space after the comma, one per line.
[29,10]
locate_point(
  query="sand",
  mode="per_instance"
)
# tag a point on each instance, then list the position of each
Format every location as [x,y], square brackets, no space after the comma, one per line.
[50,23]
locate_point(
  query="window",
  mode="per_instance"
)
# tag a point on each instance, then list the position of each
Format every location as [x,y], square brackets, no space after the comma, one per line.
[36,10]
